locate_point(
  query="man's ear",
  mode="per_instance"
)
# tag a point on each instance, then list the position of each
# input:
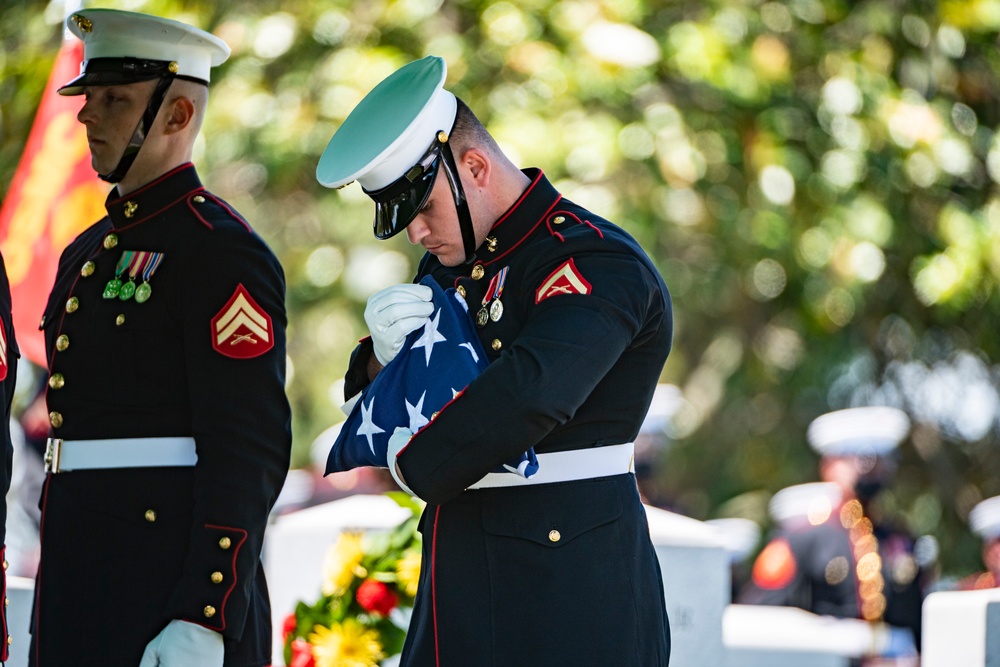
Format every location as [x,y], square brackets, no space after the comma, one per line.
[180,114]
[479,165]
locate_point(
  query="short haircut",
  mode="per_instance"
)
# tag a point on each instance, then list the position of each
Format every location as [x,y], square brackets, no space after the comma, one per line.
[469,132]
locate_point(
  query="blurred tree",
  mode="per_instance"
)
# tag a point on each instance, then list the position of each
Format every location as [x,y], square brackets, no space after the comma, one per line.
[815,179]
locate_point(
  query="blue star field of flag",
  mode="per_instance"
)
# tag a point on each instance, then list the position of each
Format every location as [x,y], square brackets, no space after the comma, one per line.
[437,362]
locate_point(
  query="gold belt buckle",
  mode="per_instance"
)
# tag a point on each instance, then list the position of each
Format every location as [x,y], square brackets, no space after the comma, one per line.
[53,447]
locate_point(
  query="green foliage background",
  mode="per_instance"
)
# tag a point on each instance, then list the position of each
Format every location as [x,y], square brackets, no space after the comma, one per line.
[816,180]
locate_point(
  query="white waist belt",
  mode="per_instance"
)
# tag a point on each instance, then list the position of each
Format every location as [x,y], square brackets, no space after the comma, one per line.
[569,466]
[65,455]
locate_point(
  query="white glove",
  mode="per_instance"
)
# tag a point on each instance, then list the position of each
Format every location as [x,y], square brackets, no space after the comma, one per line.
[397,441]
[393,313]
[184,644]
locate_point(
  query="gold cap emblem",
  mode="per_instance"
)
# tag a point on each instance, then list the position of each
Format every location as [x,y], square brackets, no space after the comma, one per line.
[173,67]
[83,23]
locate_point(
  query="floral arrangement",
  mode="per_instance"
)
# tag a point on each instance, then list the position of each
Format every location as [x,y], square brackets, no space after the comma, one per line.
[369,582]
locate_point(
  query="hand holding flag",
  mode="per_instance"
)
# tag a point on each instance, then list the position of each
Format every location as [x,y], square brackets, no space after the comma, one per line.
[436,363]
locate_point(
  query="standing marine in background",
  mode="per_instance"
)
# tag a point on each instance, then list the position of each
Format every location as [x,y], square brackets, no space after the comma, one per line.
[8,375]
[557,568]
[984,520]
[839,557]
[165,336]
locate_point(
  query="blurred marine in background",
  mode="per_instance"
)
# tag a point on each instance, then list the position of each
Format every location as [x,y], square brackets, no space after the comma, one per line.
[165,337]
[834,554]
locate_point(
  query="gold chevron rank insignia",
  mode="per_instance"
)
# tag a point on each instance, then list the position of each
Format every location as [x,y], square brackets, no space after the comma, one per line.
[567,279]
[242,330]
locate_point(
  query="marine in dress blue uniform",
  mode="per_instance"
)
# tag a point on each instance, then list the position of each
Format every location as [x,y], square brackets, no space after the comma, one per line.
[8,375]
[170,438]
[984,520]
[558,568]
[832,555]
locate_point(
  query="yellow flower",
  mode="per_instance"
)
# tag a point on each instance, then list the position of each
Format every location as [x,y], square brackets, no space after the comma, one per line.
[348,644]
[408,571]
[342,564]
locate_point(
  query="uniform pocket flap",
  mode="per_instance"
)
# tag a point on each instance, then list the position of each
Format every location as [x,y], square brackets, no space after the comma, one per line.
[552,515]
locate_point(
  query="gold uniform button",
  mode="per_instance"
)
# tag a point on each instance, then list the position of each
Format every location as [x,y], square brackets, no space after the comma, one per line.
[130,208]
[87,269]
[56,419]
[478,272]
[62,342]
[558,220]
[57,381]
[41,323]
[110,241]
[225,543]
[71,306]
[554,536]
[461,291]
[120,320]
[209,611]
[10,640]
[198,199]
[5,564]
[216,577]
[150,515]
[496,344]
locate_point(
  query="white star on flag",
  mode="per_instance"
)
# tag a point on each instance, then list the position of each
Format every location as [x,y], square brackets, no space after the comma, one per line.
[430,337]
[415,413]
[471,349]
[368,427]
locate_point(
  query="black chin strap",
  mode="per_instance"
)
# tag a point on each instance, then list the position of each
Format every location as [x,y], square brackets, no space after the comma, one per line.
[461,203]
[139,136]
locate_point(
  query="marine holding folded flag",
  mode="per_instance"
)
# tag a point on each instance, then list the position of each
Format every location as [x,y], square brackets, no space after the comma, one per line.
[165,338]
[555,567]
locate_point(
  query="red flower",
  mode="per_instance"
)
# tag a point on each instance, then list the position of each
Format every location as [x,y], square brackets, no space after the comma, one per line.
[374,596]
[288,627]
[302,655]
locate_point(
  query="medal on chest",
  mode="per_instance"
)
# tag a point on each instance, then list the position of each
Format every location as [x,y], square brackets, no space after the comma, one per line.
[133,263]
[492,307]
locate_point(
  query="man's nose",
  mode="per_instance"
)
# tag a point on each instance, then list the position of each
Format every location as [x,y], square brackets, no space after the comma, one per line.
[416,230]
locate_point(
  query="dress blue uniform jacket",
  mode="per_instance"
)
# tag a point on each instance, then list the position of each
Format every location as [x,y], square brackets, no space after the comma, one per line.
[557,574]
[124,551]
[8,374]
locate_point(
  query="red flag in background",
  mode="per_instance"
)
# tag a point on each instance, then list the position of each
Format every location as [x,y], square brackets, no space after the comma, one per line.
[55,194]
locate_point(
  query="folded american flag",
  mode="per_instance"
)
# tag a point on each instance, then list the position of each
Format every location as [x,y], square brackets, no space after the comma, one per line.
[437,362]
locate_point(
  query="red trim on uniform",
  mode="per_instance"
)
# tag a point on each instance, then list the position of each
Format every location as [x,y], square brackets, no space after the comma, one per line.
[513,208]
[152,184]
[424,427]
[434,542]
[6,352]
[159,211]
[194,211]
[524,195]
[225,598]
[4,648]
[38,576]
[208,195]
